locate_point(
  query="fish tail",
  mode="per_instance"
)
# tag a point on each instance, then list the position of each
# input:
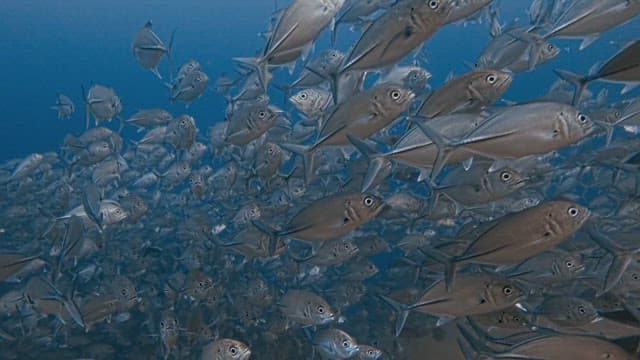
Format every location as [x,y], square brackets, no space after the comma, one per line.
[449,263]
[580,82]
[306,153]
[259,65]
[377,161]
[273,235]
[445,146]
[402,311]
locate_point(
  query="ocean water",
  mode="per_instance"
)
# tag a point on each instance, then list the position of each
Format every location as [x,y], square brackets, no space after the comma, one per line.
[49,47]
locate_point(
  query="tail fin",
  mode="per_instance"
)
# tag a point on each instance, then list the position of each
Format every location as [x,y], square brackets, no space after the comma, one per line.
[578,81]
[622,258]
[444,145]
[307,158]
[259,65]
[402,311]
[273,235]
[377,162]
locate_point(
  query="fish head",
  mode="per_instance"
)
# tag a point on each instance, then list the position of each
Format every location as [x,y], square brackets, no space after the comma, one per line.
[370,352]
[199,81]
[491,81]
[580,310]
[548,51]
[125,291]
[366,205]
[234,349]
[320,312]
[506,179]
[417,79]
[302,99]
[569,264]
[578,123]
[569,214]
[428,10]
[505,292]
[346,345]
[345,248]
[396,97]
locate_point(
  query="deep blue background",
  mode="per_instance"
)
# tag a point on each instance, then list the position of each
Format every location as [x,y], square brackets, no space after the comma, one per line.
[48,47]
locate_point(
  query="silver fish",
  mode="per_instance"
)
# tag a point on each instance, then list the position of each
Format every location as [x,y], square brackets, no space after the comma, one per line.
[64,106]
[148,49]
[404,27]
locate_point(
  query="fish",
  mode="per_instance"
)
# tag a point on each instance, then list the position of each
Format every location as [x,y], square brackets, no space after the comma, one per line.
[622,67]
[589,19]
[189,88]
[250,123]
[521,235]
[314,224]
[538,128]
[470,92]
[392,36]
[335,343]
[517,49]
[149,118]
[297,26]
[360,116]
[148,49]
[226,349]
[471,294]
[306,308]
[64,106]
[559,346]
[102,103]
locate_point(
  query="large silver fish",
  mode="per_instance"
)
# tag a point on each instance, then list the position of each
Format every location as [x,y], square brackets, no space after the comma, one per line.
[402,29]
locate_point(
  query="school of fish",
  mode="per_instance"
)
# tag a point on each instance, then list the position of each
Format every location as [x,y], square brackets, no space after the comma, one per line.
[370,215]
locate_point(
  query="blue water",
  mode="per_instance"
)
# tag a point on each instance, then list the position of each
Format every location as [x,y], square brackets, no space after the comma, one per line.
[51,46]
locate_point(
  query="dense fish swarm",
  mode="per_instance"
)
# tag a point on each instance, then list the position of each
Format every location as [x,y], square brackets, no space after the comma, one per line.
[371,217]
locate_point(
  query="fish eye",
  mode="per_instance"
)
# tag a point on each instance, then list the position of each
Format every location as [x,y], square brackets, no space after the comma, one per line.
[634,276]
[370,352]
[573,212]
[434,4]
[583,118]
[123,292]
[550,47]
[568,264]
[345,344]
[162,324]
[505,176]
[321,309]
[368,201]
[507,290]
[617,114]
[581,309]
[198,78]
[395,94]
[303,96]
[233,350]
[262,114]
[491,79]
